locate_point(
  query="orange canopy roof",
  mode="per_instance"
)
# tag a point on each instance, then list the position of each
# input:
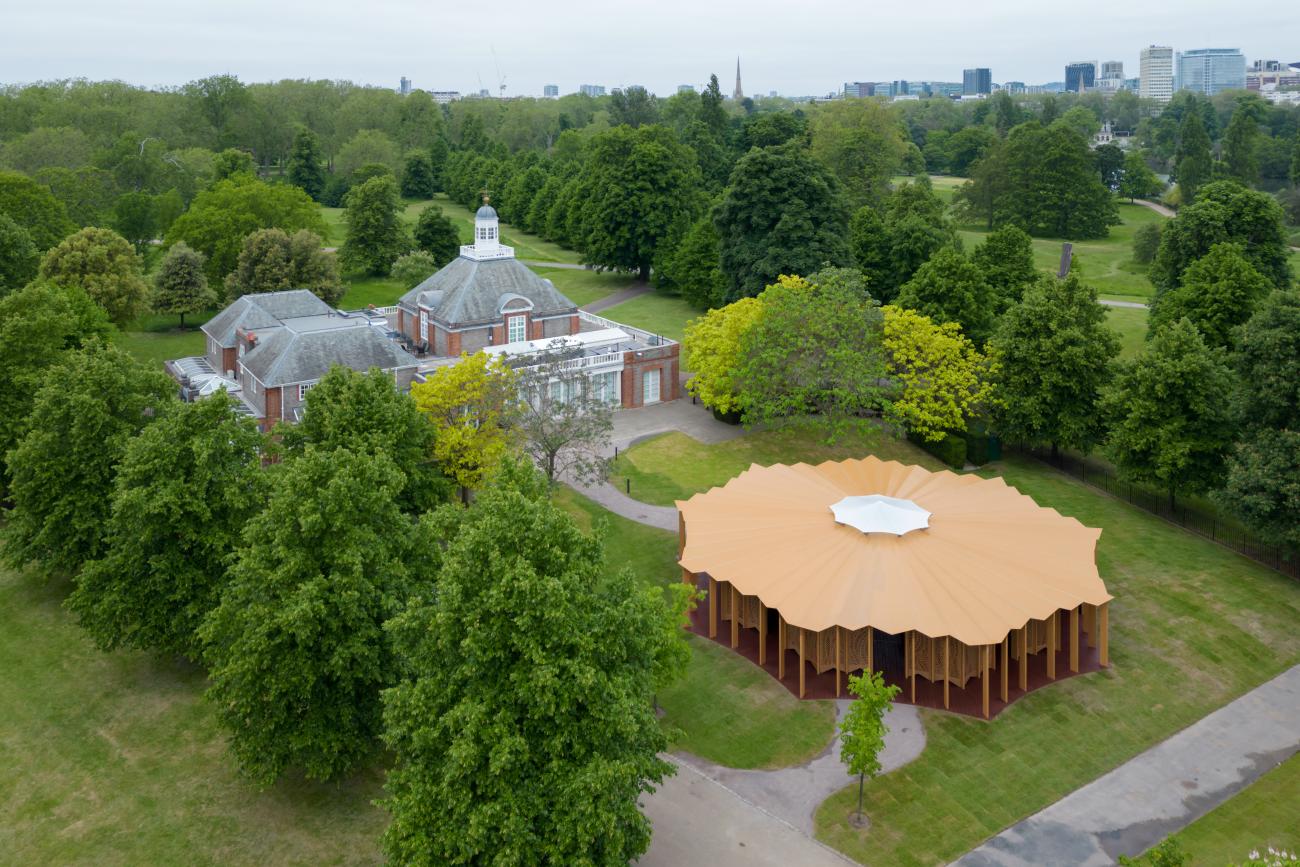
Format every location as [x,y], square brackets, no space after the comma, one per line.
[990,559]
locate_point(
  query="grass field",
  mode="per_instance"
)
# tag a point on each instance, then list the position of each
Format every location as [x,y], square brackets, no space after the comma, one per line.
[1263,814]
[1193,626]
[1131,325]
[658,313]
[584,287]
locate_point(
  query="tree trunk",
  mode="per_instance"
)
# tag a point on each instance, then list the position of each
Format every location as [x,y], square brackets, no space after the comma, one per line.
[860,780]
[464,496]
[1056,451]
[643,273]
[182,322]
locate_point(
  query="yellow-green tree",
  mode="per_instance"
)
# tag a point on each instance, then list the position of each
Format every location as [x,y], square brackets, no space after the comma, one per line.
[712,348]
[471,404]
[942,378]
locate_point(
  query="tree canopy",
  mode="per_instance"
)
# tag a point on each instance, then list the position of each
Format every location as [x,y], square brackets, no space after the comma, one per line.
[1218,293]
[711,350]
[19,258]
[272,260]
[951,288]
[306,169]
[942,379]
[376,236]
[180,283]
[1193,162]
[437,235]
[861,142]
[34,207]
[104,265]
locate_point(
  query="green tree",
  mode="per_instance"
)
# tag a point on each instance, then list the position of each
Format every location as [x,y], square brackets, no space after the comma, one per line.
[1006,256]
[306,167]
[634,106]
[231,162]
[296,648]
[692,268]
[952,288]
[45,147]
[863,730]
[564,424]
[1170,411]
[1167,854]
[1242,138]
[782,214]
[1110,163]
[815,356]
[104,264]
[38,324]
[18,256]
[437,235]
[500,753]
[34,207]
[376,236]
[87,193]
[861,142]
[221,217]
[643,187]
[367,413]
[367,147]
[1262,484]
[89,406]
[412,269]
[712,351]
[133,218]
[1295,161]
[1146,243]
[1218,293]
[218,100]
[1054,352]
[183,492]
[1193,163]
[271,260]
[180,285]
[1224,212]
[1137,181]
[417,176]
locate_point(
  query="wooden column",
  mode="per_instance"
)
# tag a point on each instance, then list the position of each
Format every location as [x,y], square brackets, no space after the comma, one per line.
[780,648]
[1024,658]
[1103,632]
[713,607]
[762,633]
[1090,623]
[1006,664]
[911,668]
[839,660]
[1053,634]
[735,617]
[1074,640]
[802,667]
[984,677]
[871,650]
[687,577]
[946,653]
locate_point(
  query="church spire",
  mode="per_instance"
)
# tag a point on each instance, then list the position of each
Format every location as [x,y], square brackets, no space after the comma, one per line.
[738,94]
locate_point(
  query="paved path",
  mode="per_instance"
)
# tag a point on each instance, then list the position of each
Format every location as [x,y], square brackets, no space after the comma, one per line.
[633,291]
[793,794]
[1160,791]
[699,822]
[564,266]
[1134,305]
[1155,206]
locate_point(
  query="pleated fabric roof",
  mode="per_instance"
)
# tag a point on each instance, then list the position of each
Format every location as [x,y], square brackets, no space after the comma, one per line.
[990,560]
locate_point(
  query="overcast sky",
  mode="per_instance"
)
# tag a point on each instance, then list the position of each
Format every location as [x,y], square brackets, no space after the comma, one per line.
[801,47]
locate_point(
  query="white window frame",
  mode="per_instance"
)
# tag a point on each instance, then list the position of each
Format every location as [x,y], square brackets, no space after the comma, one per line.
[522,321]
[303,388]
[424,326]
[647,377]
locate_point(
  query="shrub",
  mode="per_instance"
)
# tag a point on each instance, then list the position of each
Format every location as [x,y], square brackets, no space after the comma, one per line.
[1146,241]
[414,268]
[951,449]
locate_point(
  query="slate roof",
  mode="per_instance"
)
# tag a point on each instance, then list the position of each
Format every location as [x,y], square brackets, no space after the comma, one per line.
[263,310]
[469,292]
[285,355]
[486,212]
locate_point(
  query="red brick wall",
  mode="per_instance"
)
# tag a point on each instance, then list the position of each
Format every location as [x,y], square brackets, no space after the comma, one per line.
[631,397]
[274,402]
[535,330]
[453,343]
[229,357]
[575,324]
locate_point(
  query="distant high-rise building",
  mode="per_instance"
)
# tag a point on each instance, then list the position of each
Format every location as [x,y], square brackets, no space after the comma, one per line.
[1080,76]
[551,90]
[1014,87]
[1267,66]
[859,89]
[738,94]
[442,97]
[1112,69]
[1156,73]
[685,88]
[404,88]
[592,90]
[976,82]
[898,87]
[1211,70]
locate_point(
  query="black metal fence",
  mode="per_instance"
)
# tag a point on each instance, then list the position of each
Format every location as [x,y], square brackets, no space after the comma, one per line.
[1199,521]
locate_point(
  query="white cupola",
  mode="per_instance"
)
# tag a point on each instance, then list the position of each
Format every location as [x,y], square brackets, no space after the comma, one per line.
[487,238]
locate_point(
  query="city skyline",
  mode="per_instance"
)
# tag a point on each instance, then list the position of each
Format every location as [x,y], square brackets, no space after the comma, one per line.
[528,48]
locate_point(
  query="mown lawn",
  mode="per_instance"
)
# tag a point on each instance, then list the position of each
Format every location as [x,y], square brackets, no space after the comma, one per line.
[1265,813]
[1130,324]
[725,709]
[155,347]
[364,290]
[673,466]
[655,312]
[584,287]
[1193,626]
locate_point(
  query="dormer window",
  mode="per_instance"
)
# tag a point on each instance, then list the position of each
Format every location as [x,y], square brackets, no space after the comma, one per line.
[516,329]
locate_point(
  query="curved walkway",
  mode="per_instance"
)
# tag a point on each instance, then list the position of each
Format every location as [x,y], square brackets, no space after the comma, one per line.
[1132,305]
[1160,791]
[1155,206]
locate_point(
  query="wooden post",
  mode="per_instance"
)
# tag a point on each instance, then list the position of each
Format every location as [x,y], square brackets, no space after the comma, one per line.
[911,668]
[801,664]
[871,650]
[1090,623]
[984,677]
[762,633]
[1053,632]
[681,533]
[780,647]
[1006,664]
[1103,632]
[946,649]
[839,661]
[735,617]
[713,607]
[1024,658]
[1074,640]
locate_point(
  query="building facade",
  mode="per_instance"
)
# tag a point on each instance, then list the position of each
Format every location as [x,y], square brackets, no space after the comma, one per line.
[859,89]
[551,91]
[1211,70]
[592,89]
[1156,73]
[1080,76]
[977,82]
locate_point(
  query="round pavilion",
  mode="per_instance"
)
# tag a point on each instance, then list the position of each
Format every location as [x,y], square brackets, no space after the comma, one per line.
[926,576]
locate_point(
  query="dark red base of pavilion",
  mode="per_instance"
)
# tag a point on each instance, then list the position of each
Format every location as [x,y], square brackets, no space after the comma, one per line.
[967,700]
